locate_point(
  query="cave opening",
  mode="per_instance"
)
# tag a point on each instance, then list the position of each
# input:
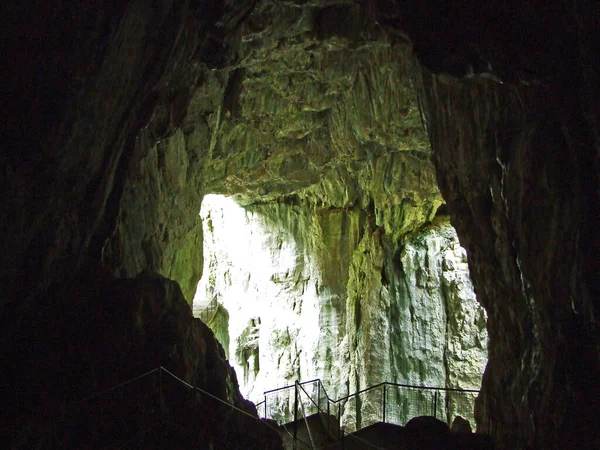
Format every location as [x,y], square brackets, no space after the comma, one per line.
[265,292]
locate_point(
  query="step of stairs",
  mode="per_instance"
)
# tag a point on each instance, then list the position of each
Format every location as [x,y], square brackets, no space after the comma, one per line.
[378,436]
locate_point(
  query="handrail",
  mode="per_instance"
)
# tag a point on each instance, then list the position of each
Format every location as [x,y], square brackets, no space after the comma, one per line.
[208,312]
[232,406]
[362,391]
[389,383]
[308,395]
[312,442]
[395,409]
[289,386]
[325,391]
[112,388]
[344,433]
[411,386]
[74,409]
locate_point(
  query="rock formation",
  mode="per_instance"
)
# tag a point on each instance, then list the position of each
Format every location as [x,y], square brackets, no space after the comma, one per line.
[269,269]
[122,115]
[516,160]
[90,336]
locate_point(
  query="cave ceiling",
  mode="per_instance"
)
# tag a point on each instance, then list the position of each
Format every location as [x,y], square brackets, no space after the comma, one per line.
[305,103]
[316,104]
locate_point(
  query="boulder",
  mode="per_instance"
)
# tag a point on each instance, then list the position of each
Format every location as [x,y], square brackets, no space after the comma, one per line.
[460,425]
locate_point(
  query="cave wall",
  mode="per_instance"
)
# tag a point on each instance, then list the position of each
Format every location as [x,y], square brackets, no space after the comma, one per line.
[516,154]
[95,78]
[306,292]
[524,237]
[156,227]
[90,89]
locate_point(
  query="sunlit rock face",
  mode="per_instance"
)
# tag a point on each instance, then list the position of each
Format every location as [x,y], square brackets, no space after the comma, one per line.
[440,297]
[313,294]
[263,270]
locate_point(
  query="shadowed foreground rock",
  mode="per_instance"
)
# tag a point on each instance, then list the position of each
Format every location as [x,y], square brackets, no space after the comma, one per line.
[424,435]
[97,332]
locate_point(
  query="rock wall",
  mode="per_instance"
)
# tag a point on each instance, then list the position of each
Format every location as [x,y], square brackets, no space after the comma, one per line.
[156,228]
[99,332]
[521,232]
[84,93]
[89,89]
[312,293]
[516,153]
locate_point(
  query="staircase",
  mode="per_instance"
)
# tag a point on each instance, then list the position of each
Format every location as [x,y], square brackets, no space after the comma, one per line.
[159,410]
[373,418]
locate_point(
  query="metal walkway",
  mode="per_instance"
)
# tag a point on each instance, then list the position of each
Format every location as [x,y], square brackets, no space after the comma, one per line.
[309,418]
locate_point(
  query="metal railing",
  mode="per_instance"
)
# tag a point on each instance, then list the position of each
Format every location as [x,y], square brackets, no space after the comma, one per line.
[387,402]
[280,404]
[208,312]
[397,403]
[153,409]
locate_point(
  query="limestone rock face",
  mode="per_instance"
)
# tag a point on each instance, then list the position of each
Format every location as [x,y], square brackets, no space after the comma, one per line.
[335,121]
[320,294]
[157,229]
[451,325]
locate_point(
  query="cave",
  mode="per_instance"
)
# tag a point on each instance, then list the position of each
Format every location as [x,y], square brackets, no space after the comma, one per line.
[383,115]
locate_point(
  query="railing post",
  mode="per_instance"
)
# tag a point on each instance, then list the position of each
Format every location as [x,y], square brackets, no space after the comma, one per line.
[266,406]
[160,391]
[435,398]
[384,398]
[318,396]
[340,429]
[160,404]
[295,414]
[339,420]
